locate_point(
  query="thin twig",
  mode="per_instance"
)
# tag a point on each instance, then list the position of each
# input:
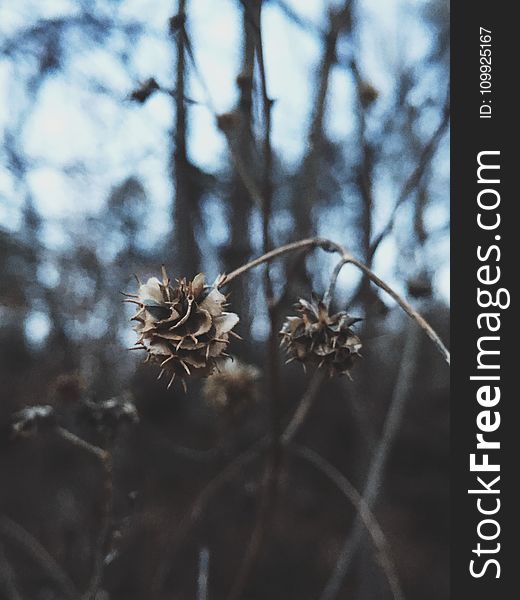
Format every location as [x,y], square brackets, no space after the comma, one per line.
[415,176]
[329,294]
[27,542]
[364,514]
[105,459]
[8,577]
[73,439]
[303,408]
[104,531]
[392,423]
[268,256]
[227,474]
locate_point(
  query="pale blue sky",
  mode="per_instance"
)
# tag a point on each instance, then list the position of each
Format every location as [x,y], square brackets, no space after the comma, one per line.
[71,124]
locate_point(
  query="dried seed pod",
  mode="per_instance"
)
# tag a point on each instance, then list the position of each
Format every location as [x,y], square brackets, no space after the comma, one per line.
[316,337]
[183,327]
[67,389]
[108,415]
[233,387]
[32,419]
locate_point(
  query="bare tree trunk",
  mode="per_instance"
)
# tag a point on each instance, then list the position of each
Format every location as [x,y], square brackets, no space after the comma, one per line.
[239,249]
[185,250]
[306,188]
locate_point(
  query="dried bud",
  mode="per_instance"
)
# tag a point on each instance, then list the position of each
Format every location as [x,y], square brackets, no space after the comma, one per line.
[68,389]
[319,338]
[184,328]
[32,419]
[420,286]
[107,416]
[233,387]
[367,93]
[145,90]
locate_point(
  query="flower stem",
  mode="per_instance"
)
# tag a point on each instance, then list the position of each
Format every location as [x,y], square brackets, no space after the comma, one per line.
[346,258]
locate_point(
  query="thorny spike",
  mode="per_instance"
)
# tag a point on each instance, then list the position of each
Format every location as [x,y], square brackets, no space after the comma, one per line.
[235,335]
[166,279]
[186,368]
[137,348]
[185,387]
[171,381]
[137,279]
[166,361]
[160,374]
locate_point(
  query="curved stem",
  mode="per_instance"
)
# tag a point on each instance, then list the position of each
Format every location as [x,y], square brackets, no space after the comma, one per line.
[408,309]
[105,459]
[346,257]
[363,510]
[303,408]
[267,257]
[329,294]
[40,555]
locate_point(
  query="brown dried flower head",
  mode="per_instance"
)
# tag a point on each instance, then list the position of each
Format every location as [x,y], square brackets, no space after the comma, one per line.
[183,327]
[316,337]
[233,387]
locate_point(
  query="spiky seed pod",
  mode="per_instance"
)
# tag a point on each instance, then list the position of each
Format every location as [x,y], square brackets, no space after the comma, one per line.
[316,337]
[232,388]
[183,327]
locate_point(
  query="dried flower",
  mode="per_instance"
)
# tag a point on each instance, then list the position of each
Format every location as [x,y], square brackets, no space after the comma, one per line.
[68,389]
[108,415]
[32,419]
[233,387]
[319,338]
[184,328]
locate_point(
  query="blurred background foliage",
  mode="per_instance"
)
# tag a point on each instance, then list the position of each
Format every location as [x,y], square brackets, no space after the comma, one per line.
[120,120]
